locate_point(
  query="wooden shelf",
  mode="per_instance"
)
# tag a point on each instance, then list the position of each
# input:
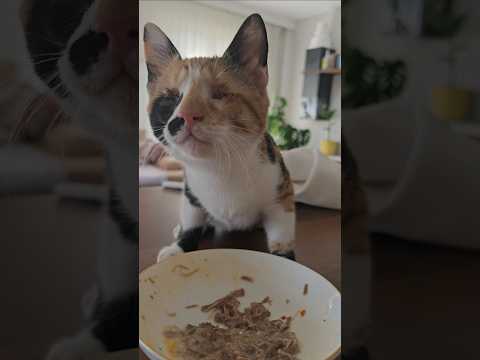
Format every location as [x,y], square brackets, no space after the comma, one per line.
[331,71]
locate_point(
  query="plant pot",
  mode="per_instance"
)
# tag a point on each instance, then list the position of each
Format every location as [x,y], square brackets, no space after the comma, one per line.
[328,147]
[450,103]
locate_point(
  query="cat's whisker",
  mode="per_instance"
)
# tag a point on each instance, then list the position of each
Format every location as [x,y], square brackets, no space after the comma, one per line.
[219,158]
[238,144]
[52,77]
[57,119]
[234,155]
[45,61]
[57,86]
[29,112]
[228,158]
[243,130]
[59,53]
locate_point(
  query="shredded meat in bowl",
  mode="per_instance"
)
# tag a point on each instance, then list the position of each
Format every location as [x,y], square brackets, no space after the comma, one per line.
[236,335]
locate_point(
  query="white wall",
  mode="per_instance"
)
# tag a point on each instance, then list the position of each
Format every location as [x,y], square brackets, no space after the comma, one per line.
[297,44]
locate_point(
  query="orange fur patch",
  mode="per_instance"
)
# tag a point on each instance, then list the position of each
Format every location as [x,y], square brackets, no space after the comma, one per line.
[286,194]
[244,108]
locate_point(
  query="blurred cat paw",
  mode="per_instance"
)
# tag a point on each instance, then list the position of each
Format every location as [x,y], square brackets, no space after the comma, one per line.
[177,231]
[288,254]
[80,347]
[168,251]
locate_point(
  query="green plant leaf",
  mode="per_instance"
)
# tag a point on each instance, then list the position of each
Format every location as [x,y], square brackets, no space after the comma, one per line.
[285,136]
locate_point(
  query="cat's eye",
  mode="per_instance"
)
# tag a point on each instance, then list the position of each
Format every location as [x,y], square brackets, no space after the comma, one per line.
[219,94]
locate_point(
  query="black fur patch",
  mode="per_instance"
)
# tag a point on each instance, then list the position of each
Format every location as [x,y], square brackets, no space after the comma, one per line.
[175,125]
[191,197]
[189,239]
[127,226]
[116,323]
[85,51]
[270,144]
[162,110]
[285,175]
[59,87]
[289,255]
[284,169]
[50,25]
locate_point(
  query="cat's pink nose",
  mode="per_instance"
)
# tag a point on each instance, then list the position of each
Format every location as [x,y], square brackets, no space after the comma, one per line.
[119,20]
[190,118]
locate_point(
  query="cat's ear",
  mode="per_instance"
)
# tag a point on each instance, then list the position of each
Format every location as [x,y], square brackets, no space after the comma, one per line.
[159,50]
[249,50]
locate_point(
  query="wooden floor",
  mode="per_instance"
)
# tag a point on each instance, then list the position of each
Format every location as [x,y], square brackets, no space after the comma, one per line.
[423,298]
[425,301]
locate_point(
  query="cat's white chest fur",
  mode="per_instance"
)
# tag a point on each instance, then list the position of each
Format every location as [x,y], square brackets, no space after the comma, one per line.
[239,200]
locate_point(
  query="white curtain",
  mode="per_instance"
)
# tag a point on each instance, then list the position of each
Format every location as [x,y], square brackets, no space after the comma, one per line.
[200,30]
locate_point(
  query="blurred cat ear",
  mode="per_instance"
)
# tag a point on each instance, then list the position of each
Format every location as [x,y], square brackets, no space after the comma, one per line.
[159,50]
[249,50]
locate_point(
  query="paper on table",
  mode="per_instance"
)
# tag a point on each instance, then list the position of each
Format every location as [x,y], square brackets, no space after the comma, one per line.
[149,175]
[173,185]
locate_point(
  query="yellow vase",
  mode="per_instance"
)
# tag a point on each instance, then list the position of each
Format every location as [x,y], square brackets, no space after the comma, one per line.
[450,103]
[328,147]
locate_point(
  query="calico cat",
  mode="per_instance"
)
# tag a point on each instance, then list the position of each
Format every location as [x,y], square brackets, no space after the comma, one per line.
[86,54]
[211,114]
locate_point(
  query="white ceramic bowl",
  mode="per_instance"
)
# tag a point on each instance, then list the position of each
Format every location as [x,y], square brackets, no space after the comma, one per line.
[164,292]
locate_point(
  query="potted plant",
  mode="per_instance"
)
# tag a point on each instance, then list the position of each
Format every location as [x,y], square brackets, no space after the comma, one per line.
[285,136]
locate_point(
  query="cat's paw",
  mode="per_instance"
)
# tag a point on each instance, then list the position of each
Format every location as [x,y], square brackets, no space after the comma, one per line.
[80,347]
[167,251]
[288,254]
[283,249]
